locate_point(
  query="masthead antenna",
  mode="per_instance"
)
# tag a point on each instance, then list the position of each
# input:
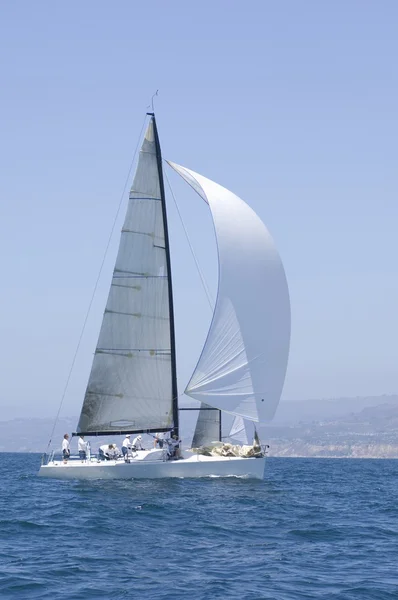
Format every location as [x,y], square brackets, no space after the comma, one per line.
[152,105]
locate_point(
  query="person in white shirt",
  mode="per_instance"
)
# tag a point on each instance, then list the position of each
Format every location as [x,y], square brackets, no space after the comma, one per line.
[65,448]
[137,443]
[107,451]
[126,446]
[82,448]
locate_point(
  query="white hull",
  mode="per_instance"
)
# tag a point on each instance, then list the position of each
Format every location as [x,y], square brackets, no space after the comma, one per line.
[193,466]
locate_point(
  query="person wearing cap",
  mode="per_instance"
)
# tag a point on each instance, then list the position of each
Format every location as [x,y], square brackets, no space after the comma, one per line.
[65,448]
[126,446]
[82,448]
[137,443]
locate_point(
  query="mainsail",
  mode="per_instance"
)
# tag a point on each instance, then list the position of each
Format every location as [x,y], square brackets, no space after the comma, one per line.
[132,384]
[243,363]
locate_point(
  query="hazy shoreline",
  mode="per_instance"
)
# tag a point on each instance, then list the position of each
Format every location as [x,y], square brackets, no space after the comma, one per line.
[364,427]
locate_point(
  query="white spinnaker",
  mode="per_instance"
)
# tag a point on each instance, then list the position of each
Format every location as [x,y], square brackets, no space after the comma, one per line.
[243,364]
[130,384]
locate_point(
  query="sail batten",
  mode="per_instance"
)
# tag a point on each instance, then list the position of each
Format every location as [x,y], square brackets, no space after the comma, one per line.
[133,371]
[243,363]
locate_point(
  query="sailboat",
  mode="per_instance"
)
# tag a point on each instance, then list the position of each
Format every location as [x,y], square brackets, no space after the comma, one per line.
[132,387]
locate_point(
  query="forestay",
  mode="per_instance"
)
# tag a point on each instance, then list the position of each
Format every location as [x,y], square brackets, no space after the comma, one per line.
[243,363]
[130,385]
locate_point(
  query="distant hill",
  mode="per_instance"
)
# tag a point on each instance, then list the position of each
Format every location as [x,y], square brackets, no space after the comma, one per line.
[316,410]
[372,432]
[350,427]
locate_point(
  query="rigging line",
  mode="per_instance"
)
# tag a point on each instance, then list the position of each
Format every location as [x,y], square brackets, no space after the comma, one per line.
[96,284]
[155,94]
[205,286]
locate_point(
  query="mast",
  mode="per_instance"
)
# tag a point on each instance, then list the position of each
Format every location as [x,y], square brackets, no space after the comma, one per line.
[167,249]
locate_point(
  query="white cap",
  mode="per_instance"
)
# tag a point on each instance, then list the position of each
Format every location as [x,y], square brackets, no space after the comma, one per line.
[127,435]
[139,437]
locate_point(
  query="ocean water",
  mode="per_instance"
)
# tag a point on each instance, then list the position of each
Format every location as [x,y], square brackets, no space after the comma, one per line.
[313,529]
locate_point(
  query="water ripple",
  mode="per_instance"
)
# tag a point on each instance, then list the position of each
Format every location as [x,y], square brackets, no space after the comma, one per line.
[319,529]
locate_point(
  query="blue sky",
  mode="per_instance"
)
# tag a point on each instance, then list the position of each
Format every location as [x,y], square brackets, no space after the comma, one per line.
[292,105]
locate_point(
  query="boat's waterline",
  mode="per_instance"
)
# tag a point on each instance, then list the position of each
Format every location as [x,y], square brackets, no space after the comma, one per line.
[194,466]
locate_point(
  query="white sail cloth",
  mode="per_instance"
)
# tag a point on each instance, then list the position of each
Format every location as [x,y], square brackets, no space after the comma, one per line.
[130,385]
[207,430]
[241,431]
[243,363]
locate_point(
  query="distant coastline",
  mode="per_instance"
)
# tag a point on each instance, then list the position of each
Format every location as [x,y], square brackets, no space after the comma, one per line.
[363,427]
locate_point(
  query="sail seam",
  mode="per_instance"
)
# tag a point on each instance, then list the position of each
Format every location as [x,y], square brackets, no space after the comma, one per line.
[138,275]
[129,287]
[149,233]
[138,315]
[117,395]
[143,198]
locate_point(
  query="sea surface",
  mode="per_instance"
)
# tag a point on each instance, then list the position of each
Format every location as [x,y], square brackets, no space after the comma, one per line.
[313,529]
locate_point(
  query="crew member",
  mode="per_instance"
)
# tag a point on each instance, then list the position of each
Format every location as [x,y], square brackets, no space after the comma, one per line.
[106,452]
[82,448]
[159,440]
[65,448]
[174,447]
[137,443]
[126,446]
